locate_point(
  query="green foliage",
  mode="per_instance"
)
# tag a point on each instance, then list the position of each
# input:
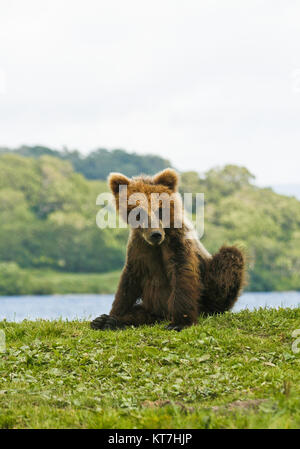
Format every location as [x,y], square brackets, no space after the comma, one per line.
[48,212]
[48,217]
[235,370]
[217,183]
[19,281]
[46,282]
[13,280]
[266,224]
[99,163]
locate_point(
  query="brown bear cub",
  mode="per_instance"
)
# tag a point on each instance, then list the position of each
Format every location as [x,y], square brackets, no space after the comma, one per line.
[168,274]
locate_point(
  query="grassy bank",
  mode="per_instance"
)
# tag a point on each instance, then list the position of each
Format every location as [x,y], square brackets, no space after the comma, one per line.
[47,282]
[230,371]
[17,281]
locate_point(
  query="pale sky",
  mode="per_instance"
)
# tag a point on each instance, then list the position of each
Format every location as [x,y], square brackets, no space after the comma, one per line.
[203,83]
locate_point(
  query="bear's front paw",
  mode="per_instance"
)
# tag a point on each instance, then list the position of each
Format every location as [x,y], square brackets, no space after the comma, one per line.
[175,327]
[105,322]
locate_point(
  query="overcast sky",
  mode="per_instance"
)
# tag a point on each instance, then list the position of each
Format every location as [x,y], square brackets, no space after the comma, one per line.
[202,83]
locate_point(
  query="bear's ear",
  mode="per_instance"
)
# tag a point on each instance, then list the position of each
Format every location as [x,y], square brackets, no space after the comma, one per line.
[168,178]
[115,180]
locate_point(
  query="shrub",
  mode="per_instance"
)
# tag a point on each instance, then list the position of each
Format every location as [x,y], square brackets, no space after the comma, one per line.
[13,280]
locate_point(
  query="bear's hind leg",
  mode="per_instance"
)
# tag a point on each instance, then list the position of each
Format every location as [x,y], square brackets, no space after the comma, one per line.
[224,278]
[136,316]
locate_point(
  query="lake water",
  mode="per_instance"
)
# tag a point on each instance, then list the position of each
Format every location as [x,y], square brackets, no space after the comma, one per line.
[84,307]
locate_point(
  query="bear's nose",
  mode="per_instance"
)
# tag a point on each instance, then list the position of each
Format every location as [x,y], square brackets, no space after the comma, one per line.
[156,236]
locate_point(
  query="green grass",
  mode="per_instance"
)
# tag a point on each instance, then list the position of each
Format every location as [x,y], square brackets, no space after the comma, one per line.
[64,375]
[50,282]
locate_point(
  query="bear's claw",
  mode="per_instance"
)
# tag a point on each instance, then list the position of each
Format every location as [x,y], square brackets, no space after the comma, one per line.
[105,322]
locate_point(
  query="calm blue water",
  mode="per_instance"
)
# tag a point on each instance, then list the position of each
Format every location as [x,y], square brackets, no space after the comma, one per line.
[70,307]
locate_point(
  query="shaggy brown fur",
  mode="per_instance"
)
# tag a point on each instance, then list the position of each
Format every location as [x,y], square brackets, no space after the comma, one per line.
[175,278]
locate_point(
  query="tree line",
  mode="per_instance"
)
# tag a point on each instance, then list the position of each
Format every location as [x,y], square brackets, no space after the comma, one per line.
[48,211]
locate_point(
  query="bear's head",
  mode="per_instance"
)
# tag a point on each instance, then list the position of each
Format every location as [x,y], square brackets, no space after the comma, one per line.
[150,205]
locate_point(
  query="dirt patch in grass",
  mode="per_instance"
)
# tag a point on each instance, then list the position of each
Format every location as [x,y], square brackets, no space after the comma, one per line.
[163,403]
[240,405]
